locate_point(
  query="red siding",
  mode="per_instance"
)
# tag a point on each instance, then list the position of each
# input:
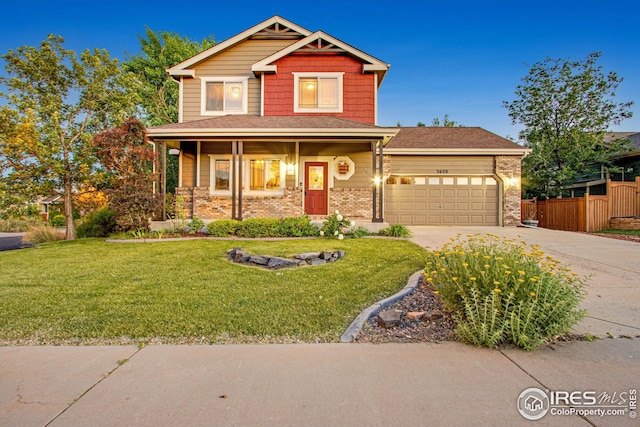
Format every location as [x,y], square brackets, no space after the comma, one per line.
[358,88]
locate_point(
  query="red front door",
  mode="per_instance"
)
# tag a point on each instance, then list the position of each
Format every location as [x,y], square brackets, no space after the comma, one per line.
[315,188]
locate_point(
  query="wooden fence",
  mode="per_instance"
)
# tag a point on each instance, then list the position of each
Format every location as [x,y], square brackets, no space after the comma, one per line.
[588,213]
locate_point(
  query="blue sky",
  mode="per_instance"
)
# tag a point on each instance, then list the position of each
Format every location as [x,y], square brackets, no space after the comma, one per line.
[461,58]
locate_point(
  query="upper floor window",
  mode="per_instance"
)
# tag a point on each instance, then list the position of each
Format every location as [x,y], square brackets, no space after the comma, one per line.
[224,95]
[317,92]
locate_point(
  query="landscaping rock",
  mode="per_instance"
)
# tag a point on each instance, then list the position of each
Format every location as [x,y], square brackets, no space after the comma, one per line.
[260,260]
[276,263]
[415,315]
[308,255]
[389,318]
[317,261]
[432,316]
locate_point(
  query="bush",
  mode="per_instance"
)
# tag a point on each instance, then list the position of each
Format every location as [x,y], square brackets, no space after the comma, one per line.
[41,234]
[195,225]
[297,227]
[334,227]
[503,291]
[396,230]
[19,224]
[100,223]
[58,221]
[223,228]
[359,232]
[259,227]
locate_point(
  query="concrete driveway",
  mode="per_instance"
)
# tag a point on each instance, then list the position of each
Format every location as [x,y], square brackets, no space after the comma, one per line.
[613,267]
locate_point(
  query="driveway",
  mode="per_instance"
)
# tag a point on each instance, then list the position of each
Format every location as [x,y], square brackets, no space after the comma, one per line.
[613,267]
[9,241]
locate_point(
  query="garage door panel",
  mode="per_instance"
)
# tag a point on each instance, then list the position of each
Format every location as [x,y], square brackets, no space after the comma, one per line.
[456,200]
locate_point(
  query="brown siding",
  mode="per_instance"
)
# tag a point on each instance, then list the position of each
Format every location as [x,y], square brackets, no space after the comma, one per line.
[188,164]
[439,165]
[235,61]
[362,178]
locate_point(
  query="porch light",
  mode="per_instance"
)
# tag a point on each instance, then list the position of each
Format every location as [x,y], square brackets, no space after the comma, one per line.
[290,168]
[235,91]
[512,182]
[174,151]
[310,85]
[377,180]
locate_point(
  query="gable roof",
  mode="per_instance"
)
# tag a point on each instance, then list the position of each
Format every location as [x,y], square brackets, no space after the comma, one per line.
[452,140]
[182,69]
[370,64]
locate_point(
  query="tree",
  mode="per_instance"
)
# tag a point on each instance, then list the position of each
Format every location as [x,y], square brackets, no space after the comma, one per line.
[566,107]
[56,101]
[446,122]
[158,92]
[127,159]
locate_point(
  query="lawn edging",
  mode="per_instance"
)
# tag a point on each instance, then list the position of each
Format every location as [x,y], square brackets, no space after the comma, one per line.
[352,331]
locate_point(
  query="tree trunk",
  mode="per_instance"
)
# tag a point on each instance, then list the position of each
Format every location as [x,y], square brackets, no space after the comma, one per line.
[68,210]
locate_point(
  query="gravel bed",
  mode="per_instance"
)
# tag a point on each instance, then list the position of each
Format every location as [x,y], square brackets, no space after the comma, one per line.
[422,299]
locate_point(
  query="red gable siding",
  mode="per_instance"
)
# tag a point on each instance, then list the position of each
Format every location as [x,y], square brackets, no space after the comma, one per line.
[358,88]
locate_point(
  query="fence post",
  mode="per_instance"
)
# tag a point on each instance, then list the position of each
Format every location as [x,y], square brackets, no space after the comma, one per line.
[587,226]
[609,199]
[637,210]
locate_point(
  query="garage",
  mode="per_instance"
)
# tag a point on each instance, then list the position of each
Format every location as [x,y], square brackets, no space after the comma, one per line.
[442,200]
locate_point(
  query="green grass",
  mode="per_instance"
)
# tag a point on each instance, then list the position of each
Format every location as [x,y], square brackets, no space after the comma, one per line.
[625,232]
[188,290]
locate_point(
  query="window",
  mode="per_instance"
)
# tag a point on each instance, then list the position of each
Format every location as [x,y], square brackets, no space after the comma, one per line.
[222,169]
[258,175]
[317,92]
[224,95]
[264,175]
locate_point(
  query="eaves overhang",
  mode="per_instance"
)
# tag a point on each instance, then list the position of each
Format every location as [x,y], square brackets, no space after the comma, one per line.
[377,133]
[458,151]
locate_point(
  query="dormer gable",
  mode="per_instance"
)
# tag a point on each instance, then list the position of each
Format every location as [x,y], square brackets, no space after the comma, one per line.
[274,28]
[320,42]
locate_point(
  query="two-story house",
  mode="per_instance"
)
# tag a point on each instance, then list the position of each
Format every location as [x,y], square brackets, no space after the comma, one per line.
[280,121]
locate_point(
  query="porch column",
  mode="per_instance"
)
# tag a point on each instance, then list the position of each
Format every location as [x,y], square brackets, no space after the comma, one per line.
[240,150]
[163,182]
[234,152]
[377,166]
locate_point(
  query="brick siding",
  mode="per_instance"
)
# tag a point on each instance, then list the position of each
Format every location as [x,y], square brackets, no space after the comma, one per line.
[508,167]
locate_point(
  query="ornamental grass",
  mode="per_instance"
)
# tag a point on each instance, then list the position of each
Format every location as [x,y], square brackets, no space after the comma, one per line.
[504,291]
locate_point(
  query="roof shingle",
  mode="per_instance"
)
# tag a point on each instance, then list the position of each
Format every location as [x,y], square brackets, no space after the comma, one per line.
[423,137]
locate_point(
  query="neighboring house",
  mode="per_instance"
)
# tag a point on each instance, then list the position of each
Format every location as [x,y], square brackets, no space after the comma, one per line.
[280,121]
[46,203]
[628,166]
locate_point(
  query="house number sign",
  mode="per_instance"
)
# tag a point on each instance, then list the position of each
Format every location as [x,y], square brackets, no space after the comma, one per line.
[442,170]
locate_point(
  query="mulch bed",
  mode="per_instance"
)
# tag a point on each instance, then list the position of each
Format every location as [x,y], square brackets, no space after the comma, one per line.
[422,299]
[627,237]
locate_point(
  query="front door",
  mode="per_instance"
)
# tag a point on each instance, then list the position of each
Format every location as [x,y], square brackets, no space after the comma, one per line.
[315,188]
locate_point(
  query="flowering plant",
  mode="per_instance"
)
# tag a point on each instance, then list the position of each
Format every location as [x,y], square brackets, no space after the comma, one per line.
[501,290]
[334,226]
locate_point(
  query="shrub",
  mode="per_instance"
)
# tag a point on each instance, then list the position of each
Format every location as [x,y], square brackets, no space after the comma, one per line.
[504,291]
[195,225]
[396,230]
[41,234]
[223,227]
[334,227]
[258,227]
[100,223]
[58,221]
[359,232]
[297,227]
[19,224]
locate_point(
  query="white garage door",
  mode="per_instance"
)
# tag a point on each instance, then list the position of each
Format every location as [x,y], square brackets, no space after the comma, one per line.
[441,200]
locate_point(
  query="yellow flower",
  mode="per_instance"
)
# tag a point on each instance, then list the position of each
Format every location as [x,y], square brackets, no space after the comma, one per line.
[507,272]
[454,278]
[522,273]
[429,279]
[473,279]
[436,292]
[533,294]
[443,269]
[520,281]
[487,257]
[495,282]
[496,290]
[499,258]
[434,272]
[464,264]
[533,279]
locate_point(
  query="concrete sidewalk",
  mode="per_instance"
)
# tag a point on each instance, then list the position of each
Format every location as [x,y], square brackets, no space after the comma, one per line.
[345,384]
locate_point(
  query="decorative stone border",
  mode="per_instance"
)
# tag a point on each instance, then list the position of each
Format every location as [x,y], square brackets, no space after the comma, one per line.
[352,331]
[275,263]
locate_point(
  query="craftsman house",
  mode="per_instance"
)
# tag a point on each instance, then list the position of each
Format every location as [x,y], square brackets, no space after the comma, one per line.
[280,121]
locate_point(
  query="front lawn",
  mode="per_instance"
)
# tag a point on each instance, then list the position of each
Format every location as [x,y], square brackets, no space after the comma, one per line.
[623,232]
[187,291]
